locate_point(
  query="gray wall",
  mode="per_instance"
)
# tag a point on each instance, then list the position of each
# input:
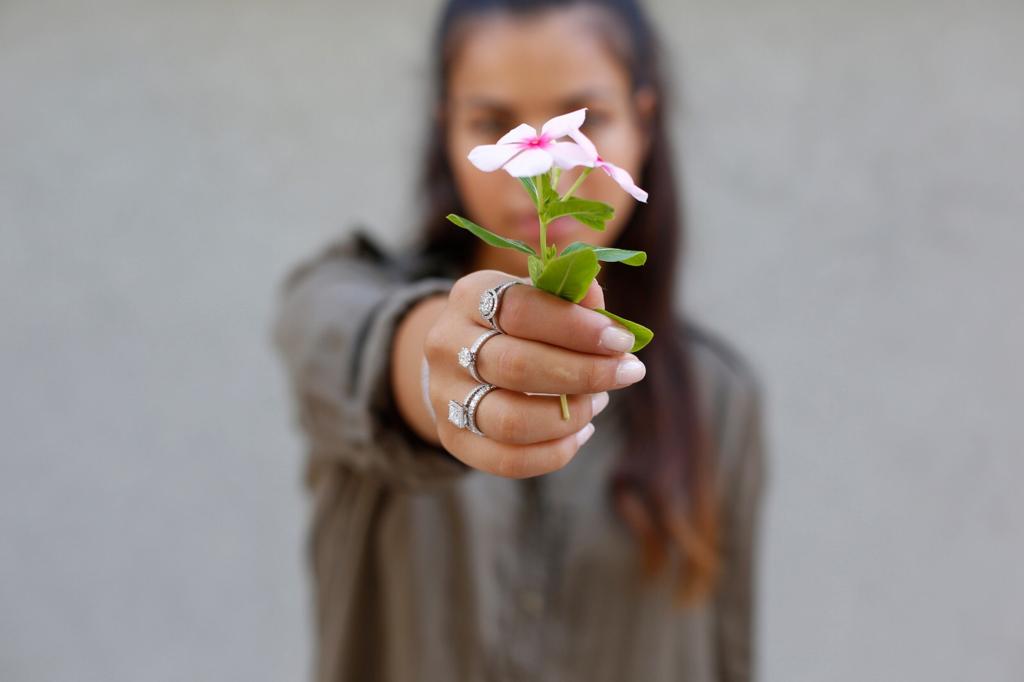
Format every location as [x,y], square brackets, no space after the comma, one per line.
[854,179]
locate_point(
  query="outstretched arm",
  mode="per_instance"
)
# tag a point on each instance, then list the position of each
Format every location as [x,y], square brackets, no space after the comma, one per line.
[736,606]
[335,329]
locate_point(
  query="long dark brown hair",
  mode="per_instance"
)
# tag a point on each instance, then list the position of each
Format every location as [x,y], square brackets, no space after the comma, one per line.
[662,484]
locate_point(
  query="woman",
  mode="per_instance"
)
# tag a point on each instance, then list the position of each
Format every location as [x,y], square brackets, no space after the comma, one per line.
[439,554]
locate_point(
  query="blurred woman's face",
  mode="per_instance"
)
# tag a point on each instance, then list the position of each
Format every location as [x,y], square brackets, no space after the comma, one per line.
[512,70]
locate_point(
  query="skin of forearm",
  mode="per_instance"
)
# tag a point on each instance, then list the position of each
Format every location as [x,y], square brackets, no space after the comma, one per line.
[406,359]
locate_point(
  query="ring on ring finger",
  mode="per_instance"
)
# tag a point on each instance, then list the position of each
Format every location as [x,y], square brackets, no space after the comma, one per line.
[468,356]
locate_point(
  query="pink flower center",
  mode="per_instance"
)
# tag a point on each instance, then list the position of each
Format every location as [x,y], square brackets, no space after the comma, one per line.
[541,141]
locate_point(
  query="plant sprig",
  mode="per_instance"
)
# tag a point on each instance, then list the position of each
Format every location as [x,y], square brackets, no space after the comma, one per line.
[567,274]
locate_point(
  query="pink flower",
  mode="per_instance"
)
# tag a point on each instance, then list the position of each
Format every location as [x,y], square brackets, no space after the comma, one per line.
[619,175]
[524,153]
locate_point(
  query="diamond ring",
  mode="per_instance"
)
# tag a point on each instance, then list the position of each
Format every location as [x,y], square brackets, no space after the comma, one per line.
[490,301]
[463,415]
[468,356]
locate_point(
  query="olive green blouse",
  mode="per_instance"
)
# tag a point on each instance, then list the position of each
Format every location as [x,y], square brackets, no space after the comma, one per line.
[426,569]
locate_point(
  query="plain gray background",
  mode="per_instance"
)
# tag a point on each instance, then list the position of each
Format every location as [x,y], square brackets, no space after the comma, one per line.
[854,175]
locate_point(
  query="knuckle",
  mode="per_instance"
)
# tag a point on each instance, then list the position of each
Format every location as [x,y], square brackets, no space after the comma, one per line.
[434,342]
[513,311]
[512,367]
[460,288]
[592,378]
[582,327]
[473,283]
[511,425]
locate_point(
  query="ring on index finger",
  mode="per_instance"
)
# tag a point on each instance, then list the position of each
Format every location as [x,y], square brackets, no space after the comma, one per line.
[468,356]
[490,303]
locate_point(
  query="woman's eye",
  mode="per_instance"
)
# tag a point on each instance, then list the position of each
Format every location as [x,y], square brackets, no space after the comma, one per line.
[488,126]
[594,120]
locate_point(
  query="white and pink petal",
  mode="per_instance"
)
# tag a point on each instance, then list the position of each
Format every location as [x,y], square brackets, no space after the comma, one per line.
[563,125]
[520,133]
[530,162]
[569,155]
[625,180]
[491,157]
[584,142]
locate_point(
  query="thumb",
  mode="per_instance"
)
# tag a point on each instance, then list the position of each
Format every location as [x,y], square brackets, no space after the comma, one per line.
[594,297]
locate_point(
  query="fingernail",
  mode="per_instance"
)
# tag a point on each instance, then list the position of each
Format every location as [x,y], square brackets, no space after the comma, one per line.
[584,434]
[630,371]
[616,338]
[599,402]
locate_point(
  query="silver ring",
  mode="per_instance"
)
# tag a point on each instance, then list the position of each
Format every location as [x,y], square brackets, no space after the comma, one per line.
[490,303]
[468,356]
[463,415]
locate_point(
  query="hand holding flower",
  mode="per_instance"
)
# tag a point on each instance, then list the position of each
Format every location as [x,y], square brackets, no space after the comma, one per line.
[537,160]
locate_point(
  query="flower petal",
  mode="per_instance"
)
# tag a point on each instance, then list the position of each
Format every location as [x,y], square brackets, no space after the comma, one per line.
[529,163]
[569,155]
[584,142]
[491,157]
[560,126]
[518,134]
[625,181]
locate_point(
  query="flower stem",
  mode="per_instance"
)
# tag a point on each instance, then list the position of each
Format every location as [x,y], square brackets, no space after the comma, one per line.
[563,398]
[543,240]
[576,185]
[538,182]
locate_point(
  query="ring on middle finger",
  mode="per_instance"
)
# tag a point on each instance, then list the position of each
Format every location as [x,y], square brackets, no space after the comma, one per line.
[468,356]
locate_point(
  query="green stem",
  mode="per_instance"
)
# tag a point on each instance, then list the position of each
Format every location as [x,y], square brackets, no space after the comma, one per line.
[563,399]
[543,240]
[576,185]
[541,204]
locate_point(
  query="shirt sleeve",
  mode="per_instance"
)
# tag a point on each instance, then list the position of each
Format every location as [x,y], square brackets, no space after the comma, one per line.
[736,603]
[334,329]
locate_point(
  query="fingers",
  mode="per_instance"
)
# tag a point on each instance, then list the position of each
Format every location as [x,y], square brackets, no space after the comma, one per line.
[535,367]
[511,460]
[517,418]
[520,419]
[550,346]
[594,297]
[531,313]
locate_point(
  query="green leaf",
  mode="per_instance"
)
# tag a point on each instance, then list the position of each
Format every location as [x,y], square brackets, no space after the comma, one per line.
[531,188]
[610,255]
[576,246]
[490,237]
[641,334]
[627,256]
[535,266]
[547,192]
[576,205]
[593,214]
[569,276]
